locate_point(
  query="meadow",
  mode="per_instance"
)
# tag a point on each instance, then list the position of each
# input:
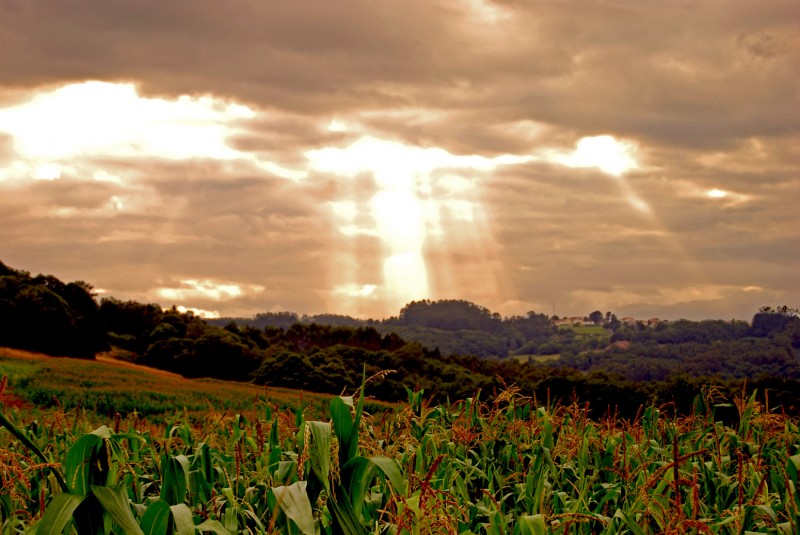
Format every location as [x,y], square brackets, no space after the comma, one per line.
[509,466]
[588,330]
[107,386]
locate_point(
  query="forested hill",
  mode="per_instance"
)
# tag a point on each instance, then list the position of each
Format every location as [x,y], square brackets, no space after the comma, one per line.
[451,326]
[609,362]
[457,327]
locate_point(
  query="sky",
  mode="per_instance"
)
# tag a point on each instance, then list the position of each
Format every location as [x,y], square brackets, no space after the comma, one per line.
[634,156]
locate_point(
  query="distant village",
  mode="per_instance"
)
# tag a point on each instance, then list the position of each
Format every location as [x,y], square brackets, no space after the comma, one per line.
[627,320]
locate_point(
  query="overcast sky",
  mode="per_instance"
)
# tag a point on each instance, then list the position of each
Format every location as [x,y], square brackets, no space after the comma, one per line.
[236,157]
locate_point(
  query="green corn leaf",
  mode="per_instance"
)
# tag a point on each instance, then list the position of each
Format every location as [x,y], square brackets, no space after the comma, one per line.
[753,512]
[80,465]
[199,487]
[274,441]
[285,471]
[630,522]
[343,427]
[293,500]
[157,519]
[319,453]
[58,514]
[253,518]
[345,518]
[356,476]
[391,470]
[175,470]
[793,468]
[532,525]
[182,516]
[115,502]
[201,461]
[213,526]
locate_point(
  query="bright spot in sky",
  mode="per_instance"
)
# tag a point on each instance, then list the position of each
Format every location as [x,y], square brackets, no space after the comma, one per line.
[47,171]
[609,155]
[725,198]
[603,152]
[337,126]
[346,210]
[111,119]
[207,289]
[400,172]
[717,193]
[104,176]
[199,312]
[354,290]
[486,11]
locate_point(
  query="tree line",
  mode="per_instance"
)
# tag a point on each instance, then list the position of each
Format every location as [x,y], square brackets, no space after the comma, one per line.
[635,366]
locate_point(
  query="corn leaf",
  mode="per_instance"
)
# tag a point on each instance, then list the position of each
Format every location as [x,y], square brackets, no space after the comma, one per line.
[532,525]
[630,522]
[175,469]
[319,453]
[157,519]
[182,516]
[214,526]
[115,502]
[345,518]
[343,427]
[357,475]
[391,470]
[80,466]
[59,513]
[293,501]
[793,468]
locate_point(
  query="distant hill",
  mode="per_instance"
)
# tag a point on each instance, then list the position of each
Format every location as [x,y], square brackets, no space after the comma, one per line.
[450,326]
[451,349]
[457,327]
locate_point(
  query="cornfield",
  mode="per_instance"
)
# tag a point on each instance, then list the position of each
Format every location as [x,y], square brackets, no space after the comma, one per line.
[510,466]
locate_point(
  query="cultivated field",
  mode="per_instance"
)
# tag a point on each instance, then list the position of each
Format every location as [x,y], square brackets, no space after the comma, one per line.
[506,467]
[107,386]
[587,330]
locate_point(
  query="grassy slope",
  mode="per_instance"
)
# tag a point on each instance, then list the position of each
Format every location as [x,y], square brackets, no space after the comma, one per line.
[534,358]
[108,385]
[588,330]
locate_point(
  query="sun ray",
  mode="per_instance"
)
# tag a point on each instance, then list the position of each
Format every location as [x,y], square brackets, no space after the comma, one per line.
[403,210]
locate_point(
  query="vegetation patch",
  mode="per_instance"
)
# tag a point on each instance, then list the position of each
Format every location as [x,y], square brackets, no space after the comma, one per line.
[108,387]
[508,466]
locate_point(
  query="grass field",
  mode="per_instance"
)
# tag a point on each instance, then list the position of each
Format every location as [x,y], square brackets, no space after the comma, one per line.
[587,330]
[535,358]
[468,467]
[108,386]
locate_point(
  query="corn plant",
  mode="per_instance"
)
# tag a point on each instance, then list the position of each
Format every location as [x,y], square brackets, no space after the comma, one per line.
[509,466]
